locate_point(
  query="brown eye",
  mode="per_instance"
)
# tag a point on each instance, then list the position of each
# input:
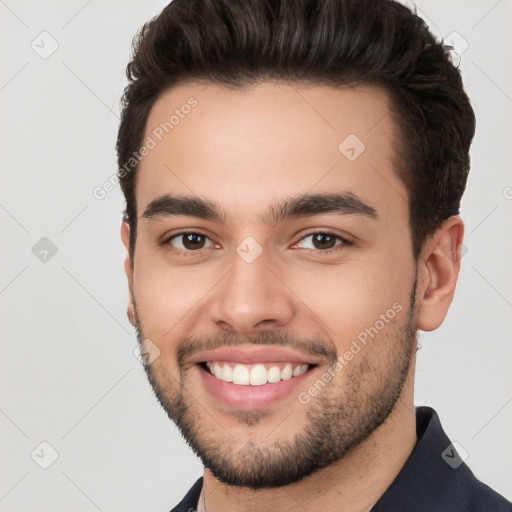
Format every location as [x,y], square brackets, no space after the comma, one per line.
[322,241]
[188,242]
[193,241]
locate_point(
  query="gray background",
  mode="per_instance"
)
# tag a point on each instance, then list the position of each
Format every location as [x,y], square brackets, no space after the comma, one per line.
[68,374]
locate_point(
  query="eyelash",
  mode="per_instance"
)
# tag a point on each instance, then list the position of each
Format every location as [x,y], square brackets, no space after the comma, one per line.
[344,242]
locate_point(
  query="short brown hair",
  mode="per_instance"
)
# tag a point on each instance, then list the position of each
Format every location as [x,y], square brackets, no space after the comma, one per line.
[236,43]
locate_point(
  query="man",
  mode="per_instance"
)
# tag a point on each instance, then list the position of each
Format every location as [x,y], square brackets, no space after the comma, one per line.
[293,174]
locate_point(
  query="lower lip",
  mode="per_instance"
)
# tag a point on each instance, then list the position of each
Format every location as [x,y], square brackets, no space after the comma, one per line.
[251,397]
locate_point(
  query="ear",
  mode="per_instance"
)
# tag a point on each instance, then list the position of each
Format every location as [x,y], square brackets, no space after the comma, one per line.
[128,268]
[438,270]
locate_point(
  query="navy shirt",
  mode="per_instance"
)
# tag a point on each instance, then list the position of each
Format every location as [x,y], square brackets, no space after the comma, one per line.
[433,479]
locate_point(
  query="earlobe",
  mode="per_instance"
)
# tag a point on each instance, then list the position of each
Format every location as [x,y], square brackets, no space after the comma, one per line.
[128,268]
[128,264]
[438,272]
[125,235]
[131,314]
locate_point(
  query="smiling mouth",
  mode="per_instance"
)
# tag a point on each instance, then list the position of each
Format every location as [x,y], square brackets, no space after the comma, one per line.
[255,374]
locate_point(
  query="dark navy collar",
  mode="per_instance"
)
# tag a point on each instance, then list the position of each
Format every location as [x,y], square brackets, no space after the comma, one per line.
[433,479]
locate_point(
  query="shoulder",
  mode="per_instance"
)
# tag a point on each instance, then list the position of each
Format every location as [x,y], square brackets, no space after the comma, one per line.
[481,498]
[435,477]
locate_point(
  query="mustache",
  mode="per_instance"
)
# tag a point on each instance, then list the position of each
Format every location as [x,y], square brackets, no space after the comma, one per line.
[315,346]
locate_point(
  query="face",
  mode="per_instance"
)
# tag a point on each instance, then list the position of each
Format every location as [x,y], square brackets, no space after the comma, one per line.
[273,274]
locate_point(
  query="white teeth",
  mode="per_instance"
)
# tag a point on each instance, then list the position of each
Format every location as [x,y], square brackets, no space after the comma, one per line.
[274,374]
[257,375]
[227,373]
[286,372]
[298,371]
[240,375]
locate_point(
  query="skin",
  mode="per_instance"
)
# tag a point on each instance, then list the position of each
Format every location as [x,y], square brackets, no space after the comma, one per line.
[247,149]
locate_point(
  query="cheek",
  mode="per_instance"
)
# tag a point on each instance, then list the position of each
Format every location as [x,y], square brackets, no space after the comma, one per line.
[349,299]
[167,296]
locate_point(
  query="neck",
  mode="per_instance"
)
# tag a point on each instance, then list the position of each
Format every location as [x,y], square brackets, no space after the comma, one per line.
[354,483]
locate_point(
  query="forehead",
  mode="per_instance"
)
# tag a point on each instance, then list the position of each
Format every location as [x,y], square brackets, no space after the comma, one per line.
[246,146]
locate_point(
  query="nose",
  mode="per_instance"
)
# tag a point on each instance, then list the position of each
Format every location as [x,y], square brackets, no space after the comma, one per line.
[252,297]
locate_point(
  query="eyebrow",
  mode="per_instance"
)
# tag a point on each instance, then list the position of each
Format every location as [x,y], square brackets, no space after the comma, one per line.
[345,203]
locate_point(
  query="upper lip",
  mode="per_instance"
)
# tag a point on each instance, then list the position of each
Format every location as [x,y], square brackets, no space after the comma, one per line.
[252,355]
